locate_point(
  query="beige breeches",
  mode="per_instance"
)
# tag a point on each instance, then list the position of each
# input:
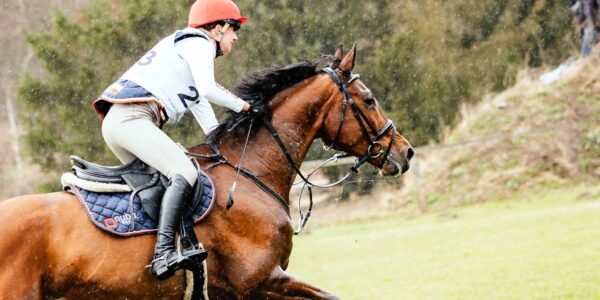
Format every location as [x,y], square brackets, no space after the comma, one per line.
[130,131]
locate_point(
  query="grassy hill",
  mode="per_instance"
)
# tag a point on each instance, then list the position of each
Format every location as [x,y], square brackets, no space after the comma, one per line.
[530,136]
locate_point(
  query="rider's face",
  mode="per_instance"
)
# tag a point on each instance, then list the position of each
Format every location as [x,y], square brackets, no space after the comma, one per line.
[228,40]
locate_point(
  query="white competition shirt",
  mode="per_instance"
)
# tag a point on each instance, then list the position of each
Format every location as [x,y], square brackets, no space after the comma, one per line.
[181,75]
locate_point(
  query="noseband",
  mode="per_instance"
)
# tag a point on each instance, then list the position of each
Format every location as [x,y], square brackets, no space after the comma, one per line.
[361,118]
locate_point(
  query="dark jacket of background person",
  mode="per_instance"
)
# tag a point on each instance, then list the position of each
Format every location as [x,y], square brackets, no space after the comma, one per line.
[586,15]
[586,11]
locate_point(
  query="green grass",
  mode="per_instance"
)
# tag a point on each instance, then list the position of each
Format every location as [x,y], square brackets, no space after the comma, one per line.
[545,245]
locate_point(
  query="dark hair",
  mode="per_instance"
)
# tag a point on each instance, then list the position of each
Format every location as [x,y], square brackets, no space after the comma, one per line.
[213,25]
[235,24]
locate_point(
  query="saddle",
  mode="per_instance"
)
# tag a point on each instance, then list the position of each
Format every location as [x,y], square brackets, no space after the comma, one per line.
[143,180]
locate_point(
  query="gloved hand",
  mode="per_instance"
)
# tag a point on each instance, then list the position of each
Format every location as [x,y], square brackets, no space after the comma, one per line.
[258,109]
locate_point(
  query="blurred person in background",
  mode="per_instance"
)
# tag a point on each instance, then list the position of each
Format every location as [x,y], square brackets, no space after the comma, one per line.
[586,14]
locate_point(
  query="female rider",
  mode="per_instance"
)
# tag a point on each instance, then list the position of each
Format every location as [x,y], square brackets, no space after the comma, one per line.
[175,76]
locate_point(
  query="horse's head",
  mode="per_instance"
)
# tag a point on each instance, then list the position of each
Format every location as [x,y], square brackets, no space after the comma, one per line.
[355,123]
[348,117]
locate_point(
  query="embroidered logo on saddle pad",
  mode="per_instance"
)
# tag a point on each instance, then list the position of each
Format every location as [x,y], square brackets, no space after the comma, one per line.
[111,212]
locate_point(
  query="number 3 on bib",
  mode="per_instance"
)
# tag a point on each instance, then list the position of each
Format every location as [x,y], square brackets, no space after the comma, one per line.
[184,97]
[147,59]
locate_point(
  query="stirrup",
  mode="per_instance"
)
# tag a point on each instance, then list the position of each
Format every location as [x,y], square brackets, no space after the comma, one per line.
[190,258]
[166,269]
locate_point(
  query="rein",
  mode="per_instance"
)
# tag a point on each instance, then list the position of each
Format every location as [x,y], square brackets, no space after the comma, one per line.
[367,130]
[222,159]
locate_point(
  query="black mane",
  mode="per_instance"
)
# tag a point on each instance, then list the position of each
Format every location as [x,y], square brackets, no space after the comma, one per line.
[260,88]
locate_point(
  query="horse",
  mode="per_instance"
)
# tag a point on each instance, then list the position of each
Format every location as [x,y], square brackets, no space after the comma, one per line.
[49,248]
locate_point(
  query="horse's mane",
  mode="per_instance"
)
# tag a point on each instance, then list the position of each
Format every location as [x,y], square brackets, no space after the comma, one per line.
[259,89]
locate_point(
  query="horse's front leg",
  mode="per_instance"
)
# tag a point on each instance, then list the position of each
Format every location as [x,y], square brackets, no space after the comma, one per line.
[281,285]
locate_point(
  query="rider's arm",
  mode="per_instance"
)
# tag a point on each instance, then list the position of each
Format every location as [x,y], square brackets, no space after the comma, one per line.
[199,54]
[205,116]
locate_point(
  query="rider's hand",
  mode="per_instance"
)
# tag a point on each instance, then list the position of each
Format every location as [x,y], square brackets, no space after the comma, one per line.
[246,107]
[257,109]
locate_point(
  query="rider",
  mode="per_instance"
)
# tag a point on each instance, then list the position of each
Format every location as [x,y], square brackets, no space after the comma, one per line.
[175,76]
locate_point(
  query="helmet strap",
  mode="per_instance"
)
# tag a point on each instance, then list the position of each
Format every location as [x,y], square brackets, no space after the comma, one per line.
[219,37]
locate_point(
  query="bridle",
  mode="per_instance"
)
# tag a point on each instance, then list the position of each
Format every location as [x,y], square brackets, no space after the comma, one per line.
[362,120]
[373,151]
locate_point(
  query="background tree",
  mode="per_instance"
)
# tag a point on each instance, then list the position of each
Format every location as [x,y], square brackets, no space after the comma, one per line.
[423,59]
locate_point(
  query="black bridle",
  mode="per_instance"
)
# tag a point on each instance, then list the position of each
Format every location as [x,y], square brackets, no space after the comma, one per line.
[365,126]
[361,118]
[373,151]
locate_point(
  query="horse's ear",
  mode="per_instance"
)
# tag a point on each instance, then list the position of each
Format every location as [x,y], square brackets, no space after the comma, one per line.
[347,63]
[338,56]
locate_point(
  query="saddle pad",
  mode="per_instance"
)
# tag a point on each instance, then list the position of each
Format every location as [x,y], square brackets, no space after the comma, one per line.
[110,211]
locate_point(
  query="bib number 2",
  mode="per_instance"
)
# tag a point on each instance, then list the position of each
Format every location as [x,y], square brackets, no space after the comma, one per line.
[147,59]
[184,97]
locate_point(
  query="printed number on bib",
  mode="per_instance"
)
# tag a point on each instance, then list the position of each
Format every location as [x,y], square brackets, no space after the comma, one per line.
[184,97]
[147,59]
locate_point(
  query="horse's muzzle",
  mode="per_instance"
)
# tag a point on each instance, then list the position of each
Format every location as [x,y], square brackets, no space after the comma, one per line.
[398,162]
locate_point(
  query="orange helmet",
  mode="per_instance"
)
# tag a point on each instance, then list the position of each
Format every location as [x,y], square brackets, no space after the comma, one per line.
[209,11]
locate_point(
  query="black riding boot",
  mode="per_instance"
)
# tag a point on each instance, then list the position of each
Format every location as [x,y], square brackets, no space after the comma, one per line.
[166,258]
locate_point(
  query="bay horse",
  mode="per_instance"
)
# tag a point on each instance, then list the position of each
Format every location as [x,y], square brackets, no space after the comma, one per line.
[50,249]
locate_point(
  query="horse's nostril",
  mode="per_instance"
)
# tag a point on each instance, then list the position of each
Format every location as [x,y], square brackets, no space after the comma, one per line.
[409,153]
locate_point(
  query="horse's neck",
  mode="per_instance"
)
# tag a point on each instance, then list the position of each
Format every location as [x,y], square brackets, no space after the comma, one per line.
[297,117]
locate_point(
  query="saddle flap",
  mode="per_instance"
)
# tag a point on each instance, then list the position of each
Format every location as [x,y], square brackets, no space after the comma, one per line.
[197,195]
[141,181]
[151,199]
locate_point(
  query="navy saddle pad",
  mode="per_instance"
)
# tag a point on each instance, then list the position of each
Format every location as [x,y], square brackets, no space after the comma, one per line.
[110,211]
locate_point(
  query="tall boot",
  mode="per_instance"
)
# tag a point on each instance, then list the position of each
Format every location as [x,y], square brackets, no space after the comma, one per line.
[165,256]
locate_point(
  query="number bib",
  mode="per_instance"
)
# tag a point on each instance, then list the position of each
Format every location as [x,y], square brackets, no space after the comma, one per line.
[167,76]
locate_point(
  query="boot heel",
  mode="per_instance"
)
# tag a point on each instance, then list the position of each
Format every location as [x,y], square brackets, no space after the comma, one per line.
[163,272]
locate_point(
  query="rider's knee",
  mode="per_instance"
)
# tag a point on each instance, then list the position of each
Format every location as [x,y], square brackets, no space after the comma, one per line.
[189,173]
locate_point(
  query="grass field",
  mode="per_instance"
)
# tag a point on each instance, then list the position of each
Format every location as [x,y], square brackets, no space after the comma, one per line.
[545,245]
